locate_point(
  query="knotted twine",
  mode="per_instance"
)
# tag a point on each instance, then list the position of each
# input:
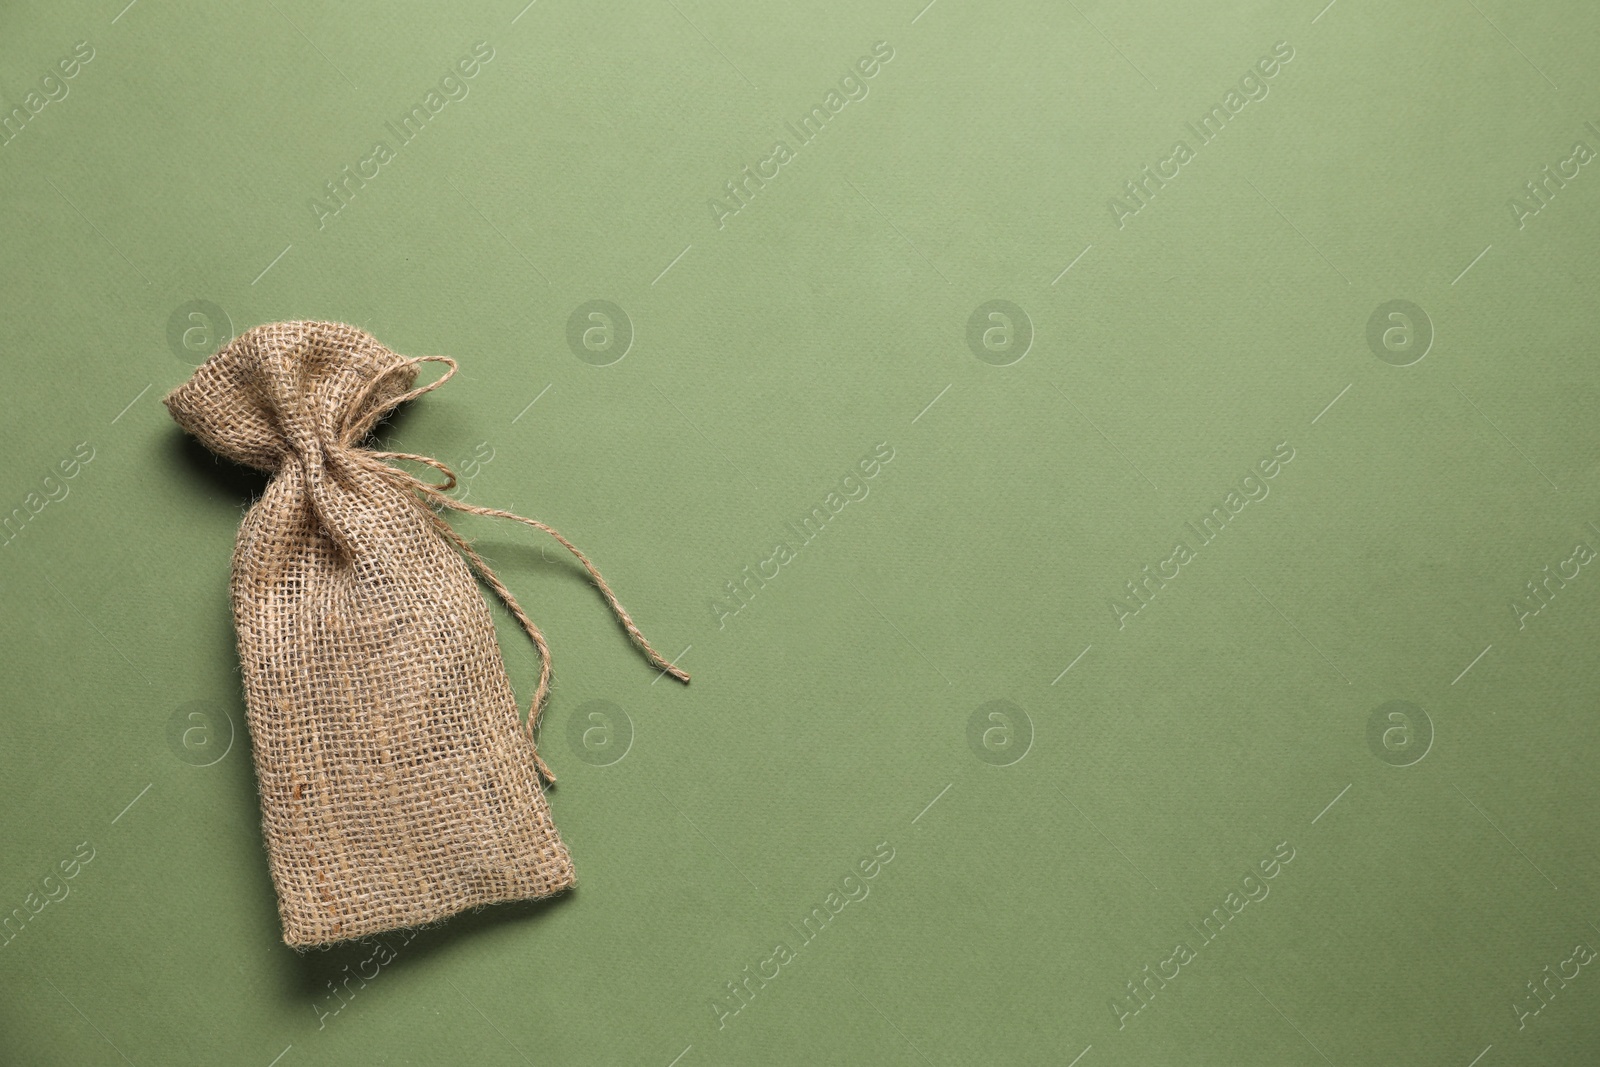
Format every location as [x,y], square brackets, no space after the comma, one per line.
[398,785]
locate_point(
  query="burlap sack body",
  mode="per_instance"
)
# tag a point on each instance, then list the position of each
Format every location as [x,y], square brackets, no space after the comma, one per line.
[397,786]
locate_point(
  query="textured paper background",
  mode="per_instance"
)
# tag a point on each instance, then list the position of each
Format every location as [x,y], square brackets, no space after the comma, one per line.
[1045,850]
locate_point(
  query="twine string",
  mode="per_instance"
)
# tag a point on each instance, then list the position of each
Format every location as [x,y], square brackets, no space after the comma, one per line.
[363,423]
[436,493]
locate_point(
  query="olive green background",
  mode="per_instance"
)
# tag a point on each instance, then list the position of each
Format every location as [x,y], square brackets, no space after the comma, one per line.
[835,712]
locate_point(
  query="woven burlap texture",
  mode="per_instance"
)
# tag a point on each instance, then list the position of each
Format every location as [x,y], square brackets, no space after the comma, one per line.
[397,783]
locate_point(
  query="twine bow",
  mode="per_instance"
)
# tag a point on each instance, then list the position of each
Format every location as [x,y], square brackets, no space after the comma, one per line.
[437,493]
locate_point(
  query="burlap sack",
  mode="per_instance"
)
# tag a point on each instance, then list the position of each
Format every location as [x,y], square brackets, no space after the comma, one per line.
[397,785]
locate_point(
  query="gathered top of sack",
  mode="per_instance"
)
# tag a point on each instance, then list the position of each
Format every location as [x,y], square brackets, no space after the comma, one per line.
[398,785]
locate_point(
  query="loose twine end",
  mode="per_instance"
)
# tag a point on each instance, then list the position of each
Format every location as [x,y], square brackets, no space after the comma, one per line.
[436,493]
[543,768]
